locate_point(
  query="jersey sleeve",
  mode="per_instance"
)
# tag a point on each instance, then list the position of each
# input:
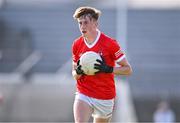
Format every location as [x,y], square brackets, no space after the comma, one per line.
[116,51]
[74,52]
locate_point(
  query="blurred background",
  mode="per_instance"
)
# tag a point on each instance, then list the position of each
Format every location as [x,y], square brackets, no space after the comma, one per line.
[36,84]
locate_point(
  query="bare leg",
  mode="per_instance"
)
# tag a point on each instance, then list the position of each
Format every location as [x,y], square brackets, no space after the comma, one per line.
[102,120]
[82,111]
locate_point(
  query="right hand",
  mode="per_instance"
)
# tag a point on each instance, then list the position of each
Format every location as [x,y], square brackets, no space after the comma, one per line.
[78,69]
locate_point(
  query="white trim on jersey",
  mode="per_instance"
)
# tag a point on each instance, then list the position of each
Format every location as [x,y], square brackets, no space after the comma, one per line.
[95,41]
[121,58]
[119,52]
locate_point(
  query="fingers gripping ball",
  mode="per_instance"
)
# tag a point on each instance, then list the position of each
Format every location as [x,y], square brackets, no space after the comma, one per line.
[87,61]
[78,69]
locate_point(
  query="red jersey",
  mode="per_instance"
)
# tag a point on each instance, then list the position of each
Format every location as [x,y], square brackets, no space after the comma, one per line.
[100,85]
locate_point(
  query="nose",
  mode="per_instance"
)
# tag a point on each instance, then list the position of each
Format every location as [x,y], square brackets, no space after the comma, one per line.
[82,26]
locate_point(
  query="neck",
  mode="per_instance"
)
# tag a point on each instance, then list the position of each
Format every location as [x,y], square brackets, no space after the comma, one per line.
[91,38]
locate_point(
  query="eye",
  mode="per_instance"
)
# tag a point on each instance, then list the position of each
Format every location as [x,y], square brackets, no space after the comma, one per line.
[85,22]
[80,23]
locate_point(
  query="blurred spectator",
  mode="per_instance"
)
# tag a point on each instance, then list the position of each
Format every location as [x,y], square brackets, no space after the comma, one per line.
[163,113]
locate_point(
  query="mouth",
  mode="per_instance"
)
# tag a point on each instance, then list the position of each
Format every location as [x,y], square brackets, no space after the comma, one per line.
[83,32]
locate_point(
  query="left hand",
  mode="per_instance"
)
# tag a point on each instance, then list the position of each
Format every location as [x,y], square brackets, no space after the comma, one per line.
[103,67]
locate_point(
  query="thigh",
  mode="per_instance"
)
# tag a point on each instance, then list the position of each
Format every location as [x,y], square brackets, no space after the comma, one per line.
[82,111]
[102,120]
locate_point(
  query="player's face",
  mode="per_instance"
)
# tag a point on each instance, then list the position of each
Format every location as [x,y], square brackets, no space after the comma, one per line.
[87,25]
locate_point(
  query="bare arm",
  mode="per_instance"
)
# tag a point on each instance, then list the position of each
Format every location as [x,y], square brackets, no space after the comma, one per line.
[124,69]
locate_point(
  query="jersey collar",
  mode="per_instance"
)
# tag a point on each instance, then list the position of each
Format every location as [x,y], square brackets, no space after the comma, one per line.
[96,40]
